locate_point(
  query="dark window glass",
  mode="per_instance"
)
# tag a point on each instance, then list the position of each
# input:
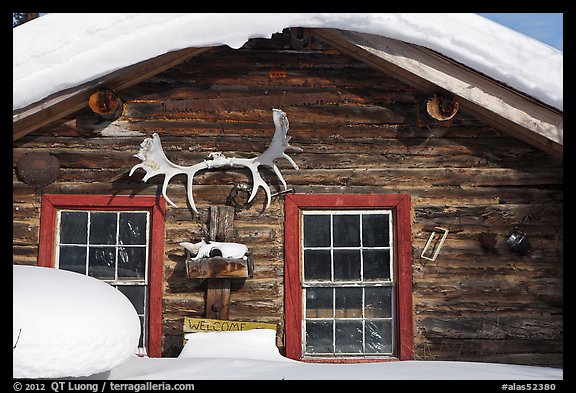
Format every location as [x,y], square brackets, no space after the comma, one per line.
[316,231]
[73,227]
[346,265]
[101,263]
[379,336]
[378,302]
[348,336]
[131,262]
[142,330]
[132,229]
[103,228]
[317,265]
[136,295]
[319,337]
[376,264]
[72,258]
[375,230]
[319,302]
[346,230]
[348,303]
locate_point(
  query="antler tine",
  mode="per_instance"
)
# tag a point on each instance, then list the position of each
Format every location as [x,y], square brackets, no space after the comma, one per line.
[189,192]
[155,162]
[259,182]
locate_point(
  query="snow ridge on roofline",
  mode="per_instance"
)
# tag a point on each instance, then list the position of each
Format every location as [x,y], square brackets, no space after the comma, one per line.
[60,51]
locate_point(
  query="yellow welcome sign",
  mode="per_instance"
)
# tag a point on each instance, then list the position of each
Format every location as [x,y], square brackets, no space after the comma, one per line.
[194,325]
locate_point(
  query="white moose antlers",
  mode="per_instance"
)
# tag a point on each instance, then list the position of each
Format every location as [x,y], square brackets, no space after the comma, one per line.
[155,162]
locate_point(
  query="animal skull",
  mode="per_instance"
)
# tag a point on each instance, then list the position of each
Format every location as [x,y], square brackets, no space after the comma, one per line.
[204,249]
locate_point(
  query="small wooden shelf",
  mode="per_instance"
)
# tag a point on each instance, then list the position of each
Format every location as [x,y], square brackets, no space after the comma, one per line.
[217,267]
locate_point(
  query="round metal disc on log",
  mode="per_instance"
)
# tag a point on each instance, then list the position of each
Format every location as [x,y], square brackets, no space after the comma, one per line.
[106,104]
[442,107]
[38,168]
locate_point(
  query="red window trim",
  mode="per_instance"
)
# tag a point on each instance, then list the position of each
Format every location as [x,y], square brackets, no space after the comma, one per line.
[401,205]
[156,205]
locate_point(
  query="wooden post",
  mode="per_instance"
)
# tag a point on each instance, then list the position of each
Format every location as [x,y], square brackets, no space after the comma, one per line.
[220,229]
[217,298]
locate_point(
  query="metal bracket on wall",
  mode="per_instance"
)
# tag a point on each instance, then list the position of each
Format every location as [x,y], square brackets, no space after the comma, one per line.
[438,245]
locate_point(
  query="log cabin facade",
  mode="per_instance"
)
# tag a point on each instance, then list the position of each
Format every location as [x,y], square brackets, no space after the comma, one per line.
[375,165]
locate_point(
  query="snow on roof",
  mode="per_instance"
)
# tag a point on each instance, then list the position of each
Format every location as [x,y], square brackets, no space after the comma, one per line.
[59,51]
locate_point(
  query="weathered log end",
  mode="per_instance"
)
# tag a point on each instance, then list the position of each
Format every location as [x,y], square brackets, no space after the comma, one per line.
[106,104]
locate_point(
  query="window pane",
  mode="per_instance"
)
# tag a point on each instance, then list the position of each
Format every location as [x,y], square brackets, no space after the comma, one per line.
[136,294]
[350,250]
[316,231]
[348,336]
[142,330]
[101,262]
[378,302]
[73,227]
[379,336]
[131,262]
[319,337]
[376,264]
[103,228]
[346,230]
[375,230]
[132,228]
[348,302]
[317,264]
[346,265]
[319,302]
[72,258]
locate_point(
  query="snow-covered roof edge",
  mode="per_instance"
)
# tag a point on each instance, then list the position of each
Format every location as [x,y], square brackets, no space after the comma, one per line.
[60,51]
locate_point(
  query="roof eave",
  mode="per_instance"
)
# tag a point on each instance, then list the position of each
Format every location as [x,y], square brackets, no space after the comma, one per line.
[506,109]
[64,103]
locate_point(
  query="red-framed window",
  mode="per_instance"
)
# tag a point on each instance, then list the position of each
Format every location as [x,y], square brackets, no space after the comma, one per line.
[118,239]
[348,277]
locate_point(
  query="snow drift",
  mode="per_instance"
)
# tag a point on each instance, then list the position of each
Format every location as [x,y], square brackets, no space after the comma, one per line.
[253,355]
[258,344]
[67,324]
[70,325]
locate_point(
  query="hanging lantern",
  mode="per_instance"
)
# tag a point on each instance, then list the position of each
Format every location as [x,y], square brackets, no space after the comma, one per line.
[518,242]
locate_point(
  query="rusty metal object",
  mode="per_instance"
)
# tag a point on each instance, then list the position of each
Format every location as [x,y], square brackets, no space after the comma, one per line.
[442,107]
[38,169]
[106,104]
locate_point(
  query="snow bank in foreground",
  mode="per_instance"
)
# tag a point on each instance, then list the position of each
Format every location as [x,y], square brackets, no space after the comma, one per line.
[68,324]
[250,344]
[251,369]
[253,355]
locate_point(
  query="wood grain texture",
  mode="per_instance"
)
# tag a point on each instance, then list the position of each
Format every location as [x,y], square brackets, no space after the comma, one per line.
[469,304]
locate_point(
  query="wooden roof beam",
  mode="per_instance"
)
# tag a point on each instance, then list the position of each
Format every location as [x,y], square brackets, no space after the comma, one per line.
[63,103]
[506,109]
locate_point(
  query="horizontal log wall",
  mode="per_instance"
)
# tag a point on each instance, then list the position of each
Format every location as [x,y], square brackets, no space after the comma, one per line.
[360,133]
